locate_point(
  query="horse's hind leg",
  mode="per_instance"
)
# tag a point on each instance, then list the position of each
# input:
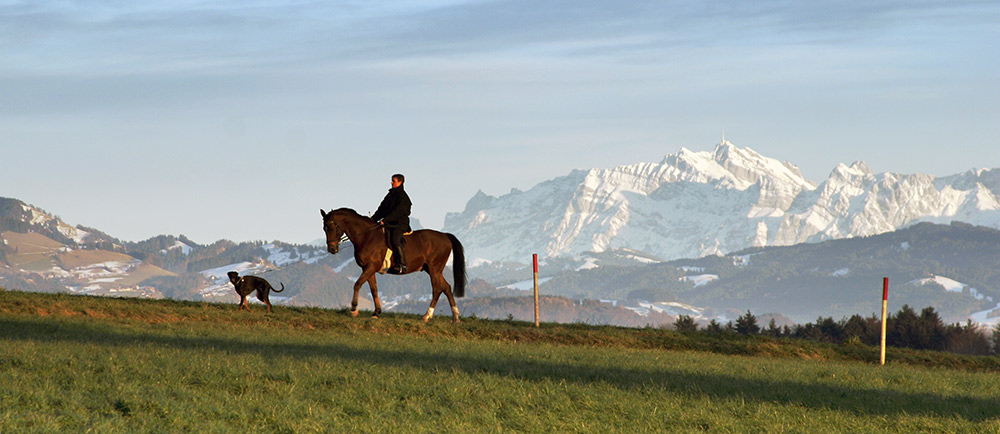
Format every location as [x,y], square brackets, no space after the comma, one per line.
[434,300]
[441,285]
[451,301]
[434,297]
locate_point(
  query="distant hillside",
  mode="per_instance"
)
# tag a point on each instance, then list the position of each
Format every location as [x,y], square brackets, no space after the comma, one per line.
[40,252]
[950,267]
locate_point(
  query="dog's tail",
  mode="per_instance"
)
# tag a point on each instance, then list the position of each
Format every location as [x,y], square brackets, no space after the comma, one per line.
[278,290]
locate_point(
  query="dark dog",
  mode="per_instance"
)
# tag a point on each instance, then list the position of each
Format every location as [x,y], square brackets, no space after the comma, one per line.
[248,284]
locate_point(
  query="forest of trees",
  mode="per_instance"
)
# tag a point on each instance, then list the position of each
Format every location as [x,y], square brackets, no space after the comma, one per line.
[906,328]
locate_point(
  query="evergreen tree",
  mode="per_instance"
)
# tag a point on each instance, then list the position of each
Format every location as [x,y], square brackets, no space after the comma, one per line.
[772,329]
[685,323]
[933,329]
[969,339]
[830,330]
[714,327]
[747,324]
[867,330]
[996,339]
[903,328]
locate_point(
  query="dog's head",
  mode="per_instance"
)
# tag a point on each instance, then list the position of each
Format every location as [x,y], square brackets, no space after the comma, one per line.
[233,276]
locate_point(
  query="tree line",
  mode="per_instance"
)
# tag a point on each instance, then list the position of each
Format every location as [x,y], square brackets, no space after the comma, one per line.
[906,328]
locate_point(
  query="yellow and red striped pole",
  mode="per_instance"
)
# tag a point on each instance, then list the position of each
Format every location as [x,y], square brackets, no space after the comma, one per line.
[534,260]
[885,301]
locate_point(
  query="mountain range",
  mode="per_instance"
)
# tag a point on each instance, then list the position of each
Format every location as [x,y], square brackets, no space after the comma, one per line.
[693,204]
[706,234]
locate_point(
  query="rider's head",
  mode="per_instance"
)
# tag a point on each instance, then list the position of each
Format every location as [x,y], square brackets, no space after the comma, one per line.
[398,179]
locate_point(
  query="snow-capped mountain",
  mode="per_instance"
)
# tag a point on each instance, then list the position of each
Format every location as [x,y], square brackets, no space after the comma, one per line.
[17,214]
[693,204]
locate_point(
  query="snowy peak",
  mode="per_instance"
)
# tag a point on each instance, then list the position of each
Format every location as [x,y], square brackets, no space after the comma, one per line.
[731,166]
[748,165]
[692,204]
[857,170]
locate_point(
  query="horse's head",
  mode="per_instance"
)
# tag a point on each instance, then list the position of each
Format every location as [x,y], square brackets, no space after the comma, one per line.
[334,232]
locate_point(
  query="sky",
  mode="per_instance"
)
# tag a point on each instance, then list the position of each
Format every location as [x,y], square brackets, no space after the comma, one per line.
[240,120]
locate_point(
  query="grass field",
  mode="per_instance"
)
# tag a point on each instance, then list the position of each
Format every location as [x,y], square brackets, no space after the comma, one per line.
[87,364]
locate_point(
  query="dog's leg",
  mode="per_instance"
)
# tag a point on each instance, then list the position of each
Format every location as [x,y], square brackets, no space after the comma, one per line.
[262,296]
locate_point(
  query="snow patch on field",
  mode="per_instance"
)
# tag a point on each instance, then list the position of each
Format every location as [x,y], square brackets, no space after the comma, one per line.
[700,280]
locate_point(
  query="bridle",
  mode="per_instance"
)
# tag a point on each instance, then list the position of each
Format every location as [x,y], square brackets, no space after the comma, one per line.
[343,237]
[343,234]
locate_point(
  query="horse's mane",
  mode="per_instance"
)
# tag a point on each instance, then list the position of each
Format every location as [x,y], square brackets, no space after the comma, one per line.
[349,211]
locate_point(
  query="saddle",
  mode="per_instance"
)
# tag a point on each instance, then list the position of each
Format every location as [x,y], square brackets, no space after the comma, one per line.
[387,262]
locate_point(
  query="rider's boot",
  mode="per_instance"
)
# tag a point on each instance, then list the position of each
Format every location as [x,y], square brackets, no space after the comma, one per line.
[400,261]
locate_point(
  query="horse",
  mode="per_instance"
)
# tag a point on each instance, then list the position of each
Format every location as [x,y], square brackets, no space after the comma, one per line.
[426,250]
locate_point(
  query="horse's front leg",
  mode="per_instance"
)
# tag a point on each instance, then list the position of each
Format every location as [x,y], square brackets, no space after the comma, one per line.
[378,303]
[367,275]
[357,288]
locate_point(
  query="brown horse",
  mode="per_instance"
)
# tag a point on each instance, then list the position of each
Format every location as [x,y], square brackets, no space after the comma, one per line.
[426,250]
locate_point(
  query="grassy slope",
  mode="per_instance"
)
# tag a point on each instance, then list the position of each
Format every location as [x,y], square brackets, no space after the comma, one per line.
[80,258]
[35,252]
[72,363]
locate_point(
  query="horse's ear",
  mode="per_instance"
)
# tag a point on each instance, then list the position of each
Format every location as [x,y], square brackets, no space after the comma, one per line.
[322,213]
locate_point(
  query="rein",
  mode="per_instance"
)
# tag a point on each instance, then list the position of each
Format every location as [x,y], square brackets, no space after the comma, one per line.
[343,237]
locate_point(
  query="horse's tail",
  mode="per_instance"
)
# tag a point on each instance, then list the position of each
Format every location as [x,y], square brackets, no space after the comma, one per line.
[458,265]
[278,290]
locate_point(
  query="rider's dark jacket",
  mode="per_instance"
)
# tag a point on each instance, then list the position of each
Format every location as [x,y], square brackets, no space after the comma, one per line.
[394,210]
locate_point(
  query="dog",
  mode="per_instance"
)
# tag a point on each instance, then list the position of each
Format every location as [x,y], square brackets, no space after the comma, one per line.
[248,284]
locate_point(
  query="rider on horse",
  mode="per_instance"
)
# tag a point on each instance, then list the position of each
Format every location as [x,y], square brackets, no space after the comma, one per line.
[394,214]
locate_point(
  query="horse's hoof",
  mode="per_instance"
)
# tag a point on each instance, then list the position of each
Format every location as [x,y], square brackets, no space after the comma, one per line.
[354,314]
[456,321]
[426,318]
[374,316]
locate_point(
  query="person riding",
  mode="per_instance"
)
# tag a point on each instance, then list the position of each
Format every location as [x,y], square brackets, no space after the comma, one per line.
[394,214]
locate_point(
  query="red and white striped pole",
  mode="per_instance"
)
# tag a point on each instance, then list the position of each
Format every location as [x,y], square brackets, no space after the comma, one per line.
[885,301]
[534,260]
